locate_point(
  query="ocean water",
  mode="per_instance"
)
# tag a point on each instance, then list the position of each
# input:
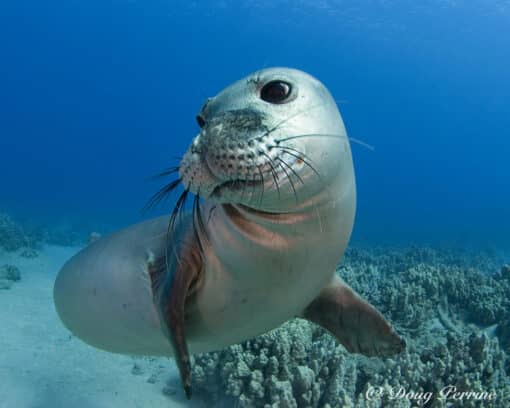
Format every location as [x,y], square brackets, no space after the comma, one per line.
[96,97]
[99,96]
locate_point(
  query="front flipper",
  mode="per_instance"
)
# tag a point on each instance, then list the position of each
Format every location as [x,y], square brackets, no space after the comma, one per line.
[354,322]
[171,287]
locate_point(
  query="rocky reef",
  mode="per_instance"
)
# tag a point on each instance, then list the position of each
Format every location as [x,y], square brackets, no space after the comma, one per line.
[452,307]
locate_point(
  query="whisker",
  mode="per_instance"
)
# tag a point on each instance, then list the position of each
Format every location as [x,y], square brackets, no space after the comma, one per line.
[282,122]
[177,211]
[254,181]
[211,211]
[263,184]
[201,223]
[195,219]
[161,195]
[288,178]
[291,149]
[244,191]
[362,143]
[165,173]
[298,156]
[331,135]
[274,173]
[292,170]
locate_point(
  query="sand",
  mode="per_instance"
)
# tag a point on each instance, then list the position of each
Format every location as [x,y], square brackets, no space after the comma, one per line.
[43,365]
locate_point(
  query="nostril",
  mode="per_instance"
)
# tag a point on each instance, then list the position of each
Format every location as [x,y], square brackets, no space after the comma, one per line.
[200,121]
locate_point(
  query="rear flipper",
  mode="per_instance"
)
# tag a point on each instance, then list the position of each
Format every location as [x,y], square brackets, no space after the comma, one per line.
[354,322]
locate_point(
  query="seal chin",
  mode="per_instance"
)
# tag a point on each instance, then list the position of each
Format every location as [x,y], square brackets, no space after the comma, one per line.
[233,188]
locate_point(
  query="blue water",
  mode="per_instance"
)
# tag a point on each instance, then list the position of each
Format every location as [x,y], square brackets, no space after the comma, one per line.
[96,96]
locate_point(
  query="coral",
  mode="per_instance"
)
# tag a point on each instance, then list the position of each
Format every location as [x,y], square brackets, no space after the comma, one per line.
[63,232]
[407,288]
[503,332]
[12,236]
[93,237]
[441,301]
[8,275]
[505,272]
[63,235]
[297,365]
[29,253]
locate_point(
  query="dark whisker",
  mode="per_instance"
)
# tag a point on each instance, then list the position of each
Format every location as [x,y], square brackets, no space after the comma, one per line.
[211,211]
[201,222]
[298,156]
[177,211]
[244,190]
[288,178]
[195,220]
[165,173]
[274,173]
[161,195]
[292,170]
[254,182]
[263,183]
[198,213]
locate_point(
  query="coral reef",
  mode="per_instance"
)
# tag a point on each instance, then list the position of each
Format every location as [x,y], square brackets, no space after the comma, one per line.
[297,365]
[59,233]
[12,236]
[93,237]
[30,236]
[452,307]
[408,287]
[29,253]
[8,275]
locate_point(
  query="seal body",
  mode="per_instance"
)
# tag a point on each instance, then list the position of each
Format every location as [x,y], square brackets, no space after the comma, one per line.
[273,164]
[271,249]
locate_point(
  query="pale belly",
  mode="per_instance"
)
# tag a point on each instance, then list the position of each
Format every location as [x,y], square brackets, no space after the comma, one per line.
[242,300]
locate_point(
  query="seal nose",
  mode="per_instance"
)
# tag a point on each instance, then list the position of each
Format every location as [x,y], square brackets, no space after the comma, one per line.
[200,121]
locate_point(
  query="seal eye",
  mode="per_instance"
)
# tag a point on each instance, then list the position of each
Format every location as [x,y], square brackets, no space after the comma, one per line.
[200,121]
[275,92]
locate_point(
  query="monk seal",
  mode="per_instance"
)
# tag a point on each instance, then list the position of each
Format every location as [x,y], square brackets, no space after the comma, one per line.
[273,168]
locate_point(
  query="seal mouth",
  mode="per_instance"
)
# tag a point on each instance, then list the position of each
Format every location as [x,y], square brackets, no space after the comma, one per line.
[234,186]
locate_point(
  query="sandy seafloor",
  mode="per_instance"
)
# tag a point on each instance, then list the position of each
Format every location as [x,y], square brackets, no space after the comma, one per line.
[42,365]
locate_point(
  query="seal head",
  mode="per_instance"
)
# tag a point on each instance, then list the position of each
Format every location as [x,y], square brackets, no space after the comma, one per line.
[261,142]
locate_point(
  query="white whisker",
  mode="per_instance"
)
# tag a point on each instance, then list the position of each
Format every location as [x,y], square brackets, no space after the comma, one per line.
[362,143]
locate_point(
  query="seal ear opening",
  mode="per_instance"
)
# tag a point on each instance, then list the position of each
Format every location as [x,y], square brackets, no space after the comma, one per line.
[354,322]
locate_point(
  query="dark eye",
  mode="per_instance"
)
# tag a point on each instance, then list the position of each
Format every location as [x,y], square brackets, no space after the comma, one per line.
[200,121]
[275,92]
